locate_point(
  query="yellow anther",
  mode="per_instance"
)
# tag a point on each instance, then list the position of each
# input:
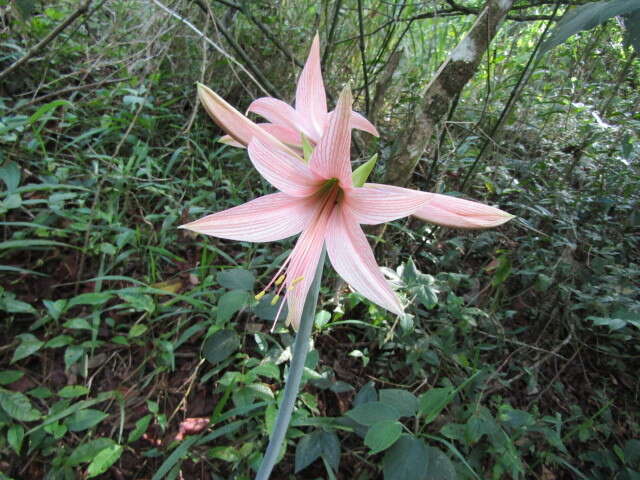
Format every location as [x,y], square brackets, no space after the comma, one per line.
[260,295]
[296,280]
[280,280]
[275,299]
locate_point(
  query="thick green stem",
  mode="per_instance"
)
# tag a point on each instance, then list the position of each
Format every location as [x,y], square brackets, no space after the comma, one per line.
[300,350]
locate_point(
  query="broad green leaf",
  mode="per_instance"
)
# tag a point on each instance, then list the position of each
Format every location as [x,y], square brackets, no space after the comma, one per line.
[103,460]
[10,376]
[373,412]
[10,175]
[15,435]
[382,435]
[85,452]
[586,17]
[236,279]
[72,354]
[315,445]
[307,451]
[361,174]
[73,391]
[94,298]
[137,330]
[85,419]
[632,30]
[55,309]
[439,467]
[366,394]
[405,402]
[230,303]
[141,427]
[12,305]
[434,401]
[406,459]
[18,406]
[220,346]
[59,341]
[29,344]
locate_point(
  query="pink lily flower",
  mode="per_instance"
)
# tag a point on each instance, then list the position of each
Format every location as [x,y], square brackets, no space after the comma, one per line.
[286,124]
[319,201]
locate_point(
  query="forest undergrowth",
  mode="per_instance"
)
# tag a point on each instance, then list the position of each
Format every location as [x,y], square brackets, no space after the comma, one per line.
[133,349]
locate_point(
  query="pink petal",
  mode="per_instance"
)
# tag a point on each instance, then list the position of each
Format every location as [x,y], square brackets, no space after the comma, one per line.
[331,158]
[456,212]
[265,219]
[311,99]
[286,135]
[239,127]
[361,123]
[377,203]
[304,262]
[352,257]
[280,113]
[286,172]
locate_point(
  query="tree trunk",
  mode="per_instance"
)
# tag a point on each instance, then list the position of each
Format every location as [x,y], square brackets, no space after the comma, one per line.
[448,82]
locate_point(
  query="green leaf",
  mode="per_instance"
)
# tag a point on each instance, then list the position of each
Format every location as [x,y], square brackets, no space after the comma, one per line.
[405,402]
[586,17]
[307,148]
[137,330]
[315,445]
[103,460]
[18,406]
[361,174]
[28,243]
[10,376]
[220,345]
[10,175]
[15,435]
[87,451]
[78,324]
[29,344]
[373,412]
[308,451]
[25,7]
[439,467]
[94,298]
[55,309]
[434,401]
[406,459]
[141,427]
[503,270]
[85,419]
[230,303]
[73,391]
[59,341]
[72,354]
[46,108]
[382,435]
[10,304]
[632,31]
[236,279]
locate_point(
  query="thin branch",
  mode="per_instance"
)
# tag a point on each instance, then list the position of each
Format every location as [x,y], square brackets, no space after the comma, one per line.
[332,29]
[212,43]
[365,75]
[270,36]
[46,40]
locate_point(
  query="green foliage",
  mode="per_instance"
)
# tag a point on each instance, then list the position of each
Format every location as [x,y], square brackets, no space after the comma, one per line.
[588,16]
[518,356]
